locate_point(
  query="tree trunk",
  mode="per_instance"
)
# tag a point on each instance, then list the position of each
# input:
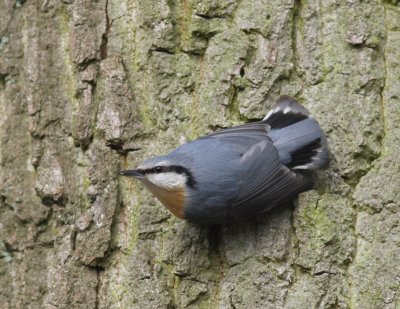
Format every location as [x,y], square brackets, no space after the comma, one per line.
[91,87]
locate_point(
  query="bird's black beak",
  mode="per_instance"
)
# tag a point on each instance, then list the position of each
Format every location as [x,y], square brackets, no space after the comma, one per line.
[131,173]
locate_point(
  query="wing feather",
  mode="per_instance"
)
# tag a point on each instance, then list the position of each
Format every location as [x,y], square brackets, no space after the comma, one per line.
[242,137]
[266,182]
[259,129]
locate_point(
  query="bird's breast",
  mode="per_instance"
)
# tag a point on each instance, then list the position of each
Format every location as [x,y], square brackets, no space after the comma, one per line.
[173,200]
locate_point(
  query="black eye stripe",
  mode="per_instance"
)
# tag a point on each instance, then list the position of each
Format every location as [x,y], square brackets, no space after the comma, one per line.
[179,169]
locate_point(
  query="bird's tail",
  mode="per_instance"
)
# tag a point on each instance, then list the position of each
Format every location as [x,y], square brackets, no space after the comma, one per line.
[300,141]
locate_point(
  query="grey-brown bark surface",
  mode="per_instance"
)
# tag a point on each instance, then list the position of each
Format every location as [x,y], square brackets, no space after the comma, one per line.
[91,87]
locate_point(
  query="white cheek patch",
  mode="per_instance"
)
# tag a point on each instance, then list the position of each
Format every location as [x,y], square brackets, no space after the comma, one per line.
[168,181]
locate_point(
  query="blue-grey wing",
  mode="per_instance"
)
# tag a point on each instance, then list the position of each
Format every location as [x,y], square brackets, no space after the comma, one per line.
[241,137]
[266,181]
[248,129]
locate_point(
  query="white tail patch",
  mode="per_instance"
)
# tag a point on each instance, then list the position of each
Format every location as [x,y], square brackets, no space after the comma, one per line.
[299,139]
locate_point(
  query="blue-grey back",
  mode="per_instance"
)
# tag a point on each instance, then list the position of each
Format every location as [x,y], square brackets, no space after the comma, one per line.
[215,167]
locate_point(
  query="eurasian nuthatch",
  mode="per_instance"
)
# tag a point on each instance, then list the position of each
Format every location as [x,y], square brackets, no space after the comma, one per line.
[239,172]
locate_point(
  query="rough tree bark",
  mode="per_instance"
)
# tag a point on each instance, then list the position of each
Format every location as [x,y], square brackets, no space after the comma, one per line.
[89,87]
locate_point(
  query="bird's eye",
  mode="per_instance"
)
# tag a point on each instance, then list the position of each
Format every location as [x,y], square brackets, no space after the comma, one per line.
[158,169]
